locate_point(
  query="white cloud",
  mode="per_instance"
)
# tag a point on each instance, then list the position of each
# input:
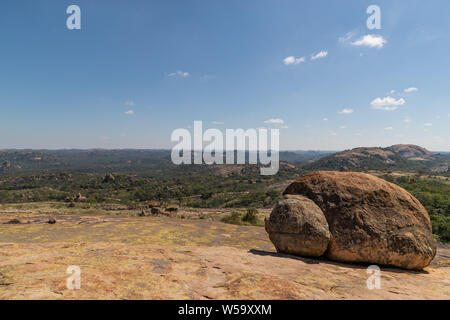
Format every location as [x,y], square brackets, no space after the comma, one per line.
[129,103]
[389,128]
[387,103]
[347,37]
[179,73]
[371,41]
[392,91]
[412,89]
[274,121]
[293,60]
[320,55]
[342,127]
[428,124]
[407,120]
[129,112]
[325,119]
[217,122]
[346,111]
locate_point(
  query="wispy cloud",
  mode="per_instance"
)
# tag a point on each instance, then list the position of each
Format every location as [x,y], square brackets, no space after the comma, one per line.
[129,103]
[274,121]
[129,112]
[407,120]
[371,41]
[347,37]
[412,89]
[293,60]
[179,73]
[346,111]
[428,124]
[325,119]
[387,103]
[389,128]
[320,55]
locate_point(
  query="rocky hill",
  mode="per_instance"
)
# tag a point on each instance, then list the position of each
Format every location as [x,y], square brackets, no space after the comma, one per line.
[399,157]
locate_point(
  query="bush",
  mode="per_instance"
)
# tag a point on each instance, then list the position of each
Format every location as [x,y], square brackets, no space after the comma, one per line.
[233,218]
[251,216]
[441,227]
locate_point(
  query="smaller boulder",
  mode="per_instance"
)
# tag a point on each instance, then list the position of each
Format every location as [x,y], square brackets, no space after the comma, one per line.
[80,198]
[144,213]
[109,178]
[298,226]
[152,204]
[156,211]
[14,221]
[172,208]
[51,221]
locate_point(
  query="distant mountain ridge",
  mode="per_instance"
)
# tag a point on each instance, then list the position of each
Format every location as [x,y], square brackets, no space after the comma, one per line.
[401,157]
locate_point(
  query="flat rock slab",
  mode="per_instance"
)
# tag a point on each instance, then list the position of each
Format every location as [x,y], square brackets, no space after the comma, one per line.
[164,258]
[132,230]
[124,271]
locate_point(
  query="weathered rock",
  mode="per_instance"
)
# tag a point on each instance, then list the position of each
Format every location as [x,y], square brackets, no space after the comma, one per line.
[80,198]
[152,204]
[6,164]
[156,210]
[109,178]
[14,221]
[51,221]
[144,213]
[370,219]
[172,208]
[298,226]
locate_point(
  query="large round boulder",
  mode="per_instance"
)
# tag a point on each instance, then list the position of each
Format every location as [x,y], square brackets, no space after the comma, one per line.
[370,219]
[298,226]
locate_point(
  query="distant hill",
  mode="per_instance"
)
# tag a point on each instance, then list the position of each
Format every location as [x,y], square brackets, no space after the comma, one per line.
[399,157]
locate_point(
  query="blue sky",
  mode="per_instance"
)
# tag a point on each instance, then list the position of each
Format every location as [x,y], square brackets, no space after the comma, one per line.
[137,70]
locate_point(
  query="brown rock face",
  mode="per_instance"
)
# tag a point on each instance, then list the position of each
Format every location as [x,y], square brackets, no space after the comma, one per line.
[298,226]
[370,219]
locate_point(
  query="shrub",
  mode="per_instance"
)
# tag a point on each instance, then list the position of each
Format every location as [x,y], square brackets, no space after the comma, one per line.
[233,218]
[251,216]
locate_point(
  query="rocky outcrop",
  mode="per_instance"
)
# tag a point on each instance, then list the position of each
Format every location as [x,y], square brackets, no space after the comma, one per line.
[13,221]
[370,219]
[109,178]
[298,226]
[156,211]
[80,198]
